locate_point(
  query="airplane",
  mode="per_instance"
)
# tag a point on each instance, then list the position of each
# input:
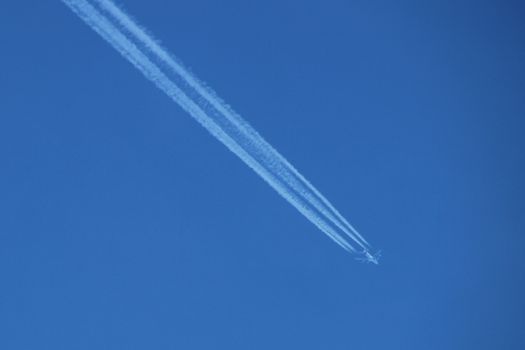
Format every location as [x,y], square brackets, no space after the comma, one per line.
[369,258]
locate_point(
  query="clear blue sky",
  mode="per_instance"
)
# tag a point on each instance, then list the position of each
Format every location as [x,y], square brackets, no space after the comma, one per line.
[124,225]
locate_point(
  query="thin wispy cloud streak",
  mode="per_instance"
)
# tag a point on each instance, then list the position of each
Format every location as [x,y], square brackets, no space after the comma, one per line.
[169,75]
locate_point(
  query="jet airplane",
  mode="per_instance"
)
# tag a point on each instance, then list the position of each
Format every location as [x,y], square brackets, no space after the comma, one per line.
[370,258]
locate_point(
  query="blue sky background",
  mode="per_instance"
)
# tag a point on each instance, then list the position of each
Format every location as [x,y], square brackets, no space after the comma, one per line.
[124,225]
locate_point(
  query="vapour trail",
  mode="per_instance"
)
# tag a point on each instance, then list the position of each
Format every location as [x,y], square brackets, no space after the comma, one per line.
[270,157]
[213,114]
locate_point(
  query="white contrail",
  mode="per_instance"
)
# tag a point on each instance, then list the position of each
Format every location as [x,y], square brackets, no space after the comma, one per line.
[269,156]
[212,113]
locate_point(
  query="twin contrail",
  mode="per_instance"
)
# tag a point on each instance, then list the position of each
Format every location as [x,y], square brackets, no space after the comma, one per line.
[169,75]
